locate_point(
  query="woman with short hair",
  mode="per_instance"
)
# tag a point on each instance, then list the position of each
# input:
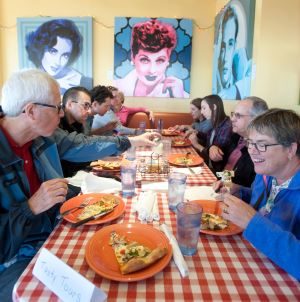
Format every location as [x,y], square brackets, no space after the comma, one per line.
[271,222]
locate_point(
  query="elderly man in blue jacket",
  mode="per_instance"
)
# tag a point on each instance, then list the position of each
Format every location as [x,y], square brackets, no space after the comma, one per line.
[32,186]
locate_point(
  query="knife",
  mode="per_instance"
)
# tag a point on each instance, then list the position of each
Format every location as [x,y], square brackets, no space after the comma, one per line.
[190,169]
[94,217]
[186,162]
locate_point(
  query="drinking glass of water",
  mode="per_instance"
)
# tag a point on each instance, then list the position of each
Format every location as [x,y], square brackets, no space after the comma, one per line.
[128,176]
[188,226]
[176,189]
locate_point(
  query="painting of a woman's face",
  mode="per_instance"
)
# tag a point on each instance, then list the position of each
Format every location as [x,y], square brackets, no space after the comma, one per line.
[151,67]
[57,57]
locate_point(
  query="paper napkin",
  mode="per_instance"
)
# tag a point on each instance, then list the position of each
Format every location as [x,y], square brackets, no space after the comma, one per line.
[157,186]
[94,184]
[78,178]
[200,192]
[197,170]
[146,206]
[177,255]
[155,212]
[144,153]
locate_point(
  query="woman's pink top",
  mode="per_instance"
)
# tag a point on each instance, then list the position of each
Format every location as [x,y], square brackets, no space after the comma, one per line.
[126,111]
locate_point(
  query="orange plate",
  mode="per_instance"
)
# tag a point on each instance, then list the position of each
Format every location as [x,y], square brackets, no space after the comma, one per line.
[75,201]
[197,160]
[101,258]
[170,133]
[213,207]
[182,142]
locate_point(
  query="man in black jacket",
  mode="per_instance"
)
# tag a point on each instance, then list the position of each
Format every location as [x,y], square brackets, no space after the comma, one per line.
[236,154]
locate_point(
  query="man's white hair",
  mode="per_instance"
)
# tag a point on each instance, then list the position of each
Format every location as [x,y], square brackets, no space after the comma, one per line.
[26,86]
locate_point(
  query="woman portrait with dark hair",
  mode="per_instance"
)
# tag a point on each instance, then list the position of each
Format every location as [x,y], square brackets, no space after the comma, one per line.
[152,43]
[53,47]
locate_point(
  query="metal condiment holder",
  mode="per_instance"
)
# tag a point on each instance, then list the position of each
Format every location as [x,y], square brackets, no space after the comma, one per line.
[157,165]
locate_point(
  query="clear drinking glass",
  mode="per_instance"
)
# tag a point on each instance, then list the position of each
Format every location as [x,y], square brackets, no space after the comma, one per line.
[188,226]
[128,177]
[176,189]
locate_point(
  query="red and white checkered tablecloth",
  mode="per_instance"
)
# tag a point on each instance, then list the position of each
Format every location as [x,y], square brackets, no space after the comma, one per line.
[224,269]
[205,178]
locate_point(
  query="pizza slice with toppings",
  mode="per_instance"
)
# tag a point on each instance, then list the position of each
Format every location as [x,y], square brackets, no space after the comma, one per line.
[133,256]
[213,222]
[105,204]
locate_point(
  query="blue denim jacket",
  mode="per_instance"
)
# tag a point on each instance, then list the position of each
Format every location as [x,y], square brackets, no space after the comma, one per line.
[21,232]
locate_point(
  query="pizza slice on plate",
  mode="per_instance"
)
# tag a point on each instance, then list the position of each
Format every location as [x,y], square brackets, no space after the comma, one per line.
[108,165]
[133,256]
[213,222]
[104,204]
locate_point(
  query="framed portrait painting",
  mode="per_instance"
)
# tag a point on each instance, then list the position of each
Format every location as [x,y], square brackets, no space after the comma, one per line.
[60,46]
[152,56]
[233,44]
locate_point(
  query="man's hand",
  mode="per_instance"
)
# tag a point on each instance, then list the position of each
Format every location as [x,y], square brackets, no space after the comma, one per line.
[215,153]
[110,125]
[50,193]
[145,139]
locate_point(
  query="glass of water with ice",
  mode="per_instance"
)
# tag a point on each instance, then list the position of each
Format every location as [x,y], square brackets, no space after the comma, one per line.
[176,189]
[188,226]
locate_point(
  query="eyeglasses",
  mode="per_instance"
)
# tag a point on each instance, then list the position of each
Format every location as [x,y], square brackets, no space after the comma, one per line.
[238,115]
[57,107]
[86,106]
[259,146]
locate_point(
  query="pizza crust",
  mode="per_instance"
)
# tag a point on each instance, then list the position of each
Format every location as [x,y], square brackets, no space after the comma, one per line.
[136,264]
[133,256]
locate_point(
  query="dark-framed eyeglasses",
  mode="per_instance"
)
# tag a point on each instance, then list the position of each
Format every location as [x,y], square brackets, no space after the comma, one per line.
[57,107]
[86,106]
[238,115]
[261,147]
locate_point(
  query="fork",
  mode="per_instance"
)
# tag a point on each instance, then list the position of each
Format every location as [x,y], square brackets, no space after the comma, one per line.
[83,204]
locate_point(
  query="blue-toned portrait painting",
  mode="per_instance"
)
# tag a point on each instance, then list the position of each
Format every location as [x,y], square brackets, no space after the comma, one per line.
[233,43]
[152,56]
[60,46]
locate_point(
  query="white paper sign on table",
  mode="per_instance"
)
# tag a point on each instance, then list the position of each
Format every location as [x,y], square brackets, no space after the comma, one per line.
[66,283]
